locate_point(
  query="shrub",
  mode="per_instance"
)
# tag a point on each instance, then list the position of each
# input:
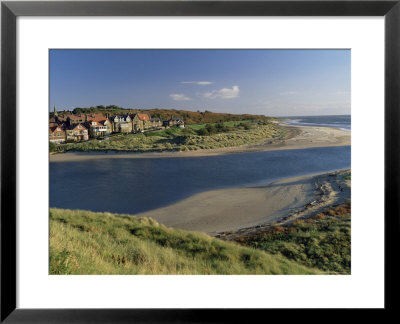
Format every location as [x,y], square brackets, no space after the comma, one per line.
[323,241]
[52,147]
[211,129]
[203,132]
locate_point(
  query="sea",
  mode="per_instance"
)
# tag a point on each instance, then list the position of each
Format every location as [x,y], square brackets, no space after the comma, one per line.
[337,121]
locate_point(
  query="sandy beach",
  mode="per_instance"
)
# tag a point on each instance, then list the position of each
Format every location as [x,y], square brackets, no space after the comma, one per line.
[246,208]
[301,137]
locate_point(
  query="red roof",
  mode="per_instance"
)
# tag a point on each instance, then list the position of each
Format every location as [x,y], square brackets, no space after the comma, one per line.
[143,116]
[96,117]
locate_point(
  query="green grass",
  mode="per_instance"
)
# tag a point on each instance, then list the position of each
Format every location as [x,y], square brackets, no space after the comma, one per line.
[177,139]
[197,126]
[168,132]
[231,123]
[322,242]
[83,242]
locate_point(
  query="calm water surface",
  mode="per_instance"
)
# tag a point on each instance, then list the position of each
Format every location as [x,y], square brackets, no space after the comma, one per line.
[137,185]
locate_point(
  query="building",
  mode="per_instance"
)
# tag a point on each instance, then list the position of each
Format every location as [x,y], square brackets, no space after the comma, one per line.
[53,122]
[122,124]
[56,134]
[137,123]
[146,120]
[174,121]
[106,122]
[77,133]
[140,122]
[76,119]
[155,122]
[98,125]
[95,117]
[97,129]
[55,114]
[62,118]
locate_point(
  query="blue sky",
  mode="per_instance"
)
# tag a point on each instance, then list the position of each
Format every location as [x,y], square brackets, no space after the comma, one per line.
[267,82]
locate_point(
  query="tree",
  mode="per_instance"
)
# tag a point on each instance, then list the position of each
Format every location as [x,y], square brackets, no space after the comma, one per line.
[77,111]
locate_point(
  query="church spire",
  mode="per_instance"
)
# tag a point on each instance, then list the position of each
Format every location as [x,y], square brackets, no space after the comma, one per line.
[55,111]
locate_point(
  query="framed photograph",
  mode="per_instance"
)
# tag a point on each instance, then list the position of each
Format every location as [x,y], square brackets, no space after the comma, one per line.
[162,158]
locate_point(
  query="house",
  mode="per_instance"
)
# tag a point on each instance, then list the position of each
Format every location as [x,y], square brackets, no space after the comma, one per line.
[98,125]
[140,122]
[96,129]
[137,123]
[122,124]
[62,118]
[56,134]
[106,122]
[155,122]
[77,133]
[145,119]
[76,119]
[52,122]
[174,121]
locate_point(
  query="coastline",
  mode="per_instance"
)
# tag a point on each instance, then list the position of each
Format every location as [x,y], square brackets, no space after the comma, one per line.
[224,212]
[301,137]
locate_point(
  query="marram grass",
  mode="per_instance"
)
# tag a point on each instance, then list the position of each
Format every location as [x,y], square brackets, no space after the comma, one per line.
[176,139]
[83,242]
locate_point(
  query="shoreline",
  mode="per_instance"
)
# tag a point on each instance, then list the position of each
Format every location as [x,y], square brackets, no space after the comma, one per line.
[226,212]
[302,137]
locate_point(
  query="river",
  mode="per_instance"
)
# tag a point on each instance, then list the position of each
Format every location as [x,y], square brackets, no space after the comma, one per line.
[137,185]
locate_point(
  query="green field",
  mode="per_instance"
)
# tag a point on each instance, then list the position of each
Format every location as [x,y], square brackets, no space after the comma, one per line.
[83,242]
[194,137]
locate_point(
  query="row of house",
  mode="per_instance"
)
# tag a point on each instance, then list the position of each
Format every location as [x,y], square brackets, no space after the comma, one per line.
[81,127]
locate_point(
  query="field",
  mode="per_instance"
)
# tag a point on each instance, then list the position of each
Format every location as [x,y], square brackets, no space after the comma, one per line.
[83,242]
[192,138]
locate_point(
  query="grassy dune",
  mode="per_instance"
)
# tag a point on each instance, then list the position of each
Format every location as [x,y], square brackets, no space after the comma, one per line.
[322,242]
[84,242]
[177,139]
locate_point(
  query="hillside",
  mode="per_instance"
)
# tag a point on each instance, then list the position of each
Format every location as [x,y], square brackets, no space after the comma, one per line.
[190,117]
[83,242]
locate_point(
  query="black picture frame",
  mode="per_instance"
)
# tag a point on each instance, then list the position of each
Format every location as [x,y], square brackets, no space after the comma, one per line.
[10,10]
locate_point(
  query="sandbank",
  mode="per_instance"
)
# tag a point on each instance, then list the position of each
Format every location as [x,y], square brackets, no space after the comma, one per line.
[235,209]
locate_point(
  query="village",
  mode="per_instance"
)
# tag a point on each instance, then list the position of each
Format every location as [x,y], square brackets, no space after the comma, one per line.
[69,127]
